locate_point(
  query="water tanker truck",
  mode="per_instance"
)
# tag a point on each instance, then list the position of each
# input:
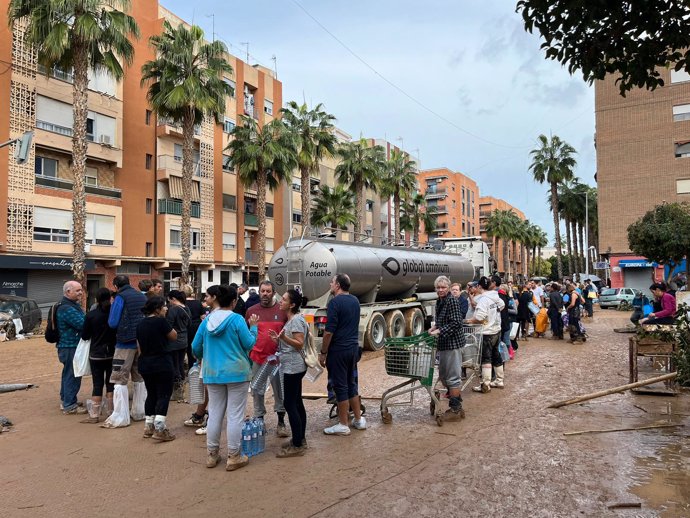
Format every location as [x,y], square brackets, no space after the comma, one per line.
[394,285]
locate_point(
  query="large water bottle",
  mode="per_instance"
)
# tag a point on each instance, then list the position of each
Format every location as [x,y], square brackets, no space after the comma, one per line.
[246,438]
[262,435]
[254,427]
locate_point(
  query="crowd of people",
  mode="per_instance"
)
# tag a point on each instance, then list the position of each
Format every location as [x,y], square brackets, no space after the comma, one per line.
[139,335]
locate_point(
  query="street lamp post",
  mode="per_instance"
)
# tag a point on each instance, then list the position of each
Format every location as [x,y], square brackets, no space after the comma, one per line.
[587,233]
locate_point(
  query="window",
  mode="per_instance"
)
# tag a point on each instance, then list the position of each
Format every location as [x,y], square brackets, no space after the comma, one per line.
[176,238]
[209,276]
[463,207]
[231,84]
[228,125]
[100,230]
[269,210]
[134,268]
[90,123]
[91,176]
[225,277]
[268,107]
[297,217]
[269,244]
[148,117]
[453,203]
[178,156]
[683,186]
[149,205]
[228,166]
[453,222]
[473,233]
[683,150]
[149,161]
[229,202]
[369,205]
[229,241]
[681,112]
[680,76]
[52,225]
[463,228]
[149,249]
[296,185]
[46,167]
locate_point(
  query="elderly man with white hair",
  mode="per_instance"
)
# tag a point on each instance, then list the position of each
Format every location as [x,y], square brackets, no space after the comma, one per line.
[70,322]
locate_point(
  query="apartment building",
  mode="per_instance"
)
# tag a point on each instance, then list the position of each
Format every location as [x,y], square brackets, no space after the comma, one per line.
[643,159]
[516,265]
[455,198]
[133,179]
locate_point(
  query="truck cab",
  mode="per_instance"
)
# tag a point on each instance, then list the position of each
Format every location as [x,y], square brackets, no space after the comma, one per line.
[474,248]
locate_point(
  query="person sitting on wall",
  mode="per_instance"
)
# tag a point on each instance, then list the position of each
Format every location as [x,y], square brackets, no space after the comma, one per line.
[668,306]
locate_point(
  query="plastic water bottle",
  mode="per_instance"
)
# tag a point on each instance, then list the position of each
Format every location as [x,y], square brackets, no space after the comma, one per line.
[254,427]
[246,438]
[262,435]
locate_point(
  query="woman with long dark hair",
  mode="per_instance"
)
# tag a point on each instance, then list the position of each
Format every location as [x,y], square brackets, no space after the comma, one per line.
[291,342]
[180,319]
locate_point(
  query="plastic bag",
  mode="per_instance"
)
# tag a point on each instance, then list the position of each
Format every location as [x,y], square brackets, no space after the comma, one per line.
[511,351]
[138,401]
[80,363]
[196,386]
[120,415]
[313,373]
[503,350]
[263,377]
[514,328]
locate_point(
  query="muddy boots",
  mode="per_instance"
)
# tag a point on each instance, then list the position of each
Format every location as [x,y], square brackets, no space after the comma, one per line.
[485,385]
[94,414]
[498,382]
[178,392]
[455,412]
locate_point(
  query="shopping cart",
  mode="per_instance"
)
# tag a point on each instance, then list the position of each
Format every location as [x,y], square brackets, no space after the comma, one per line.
[412,358]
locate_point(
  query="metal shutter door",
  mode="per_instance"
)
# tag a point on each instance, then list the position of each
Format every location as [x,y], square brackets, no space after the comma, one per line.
[45,287]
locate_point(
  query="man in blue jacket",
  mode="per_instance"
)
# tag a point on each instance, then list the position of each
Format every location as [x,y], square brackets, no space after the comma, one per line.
[70,322]
[125,315]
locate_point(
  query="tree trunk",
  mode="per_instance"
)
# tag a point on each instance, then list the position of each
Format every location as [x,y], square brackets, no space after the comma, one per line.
[506,261]
[396,213]
[584,252]
[187,175]
[527,261]
[359,210]
[305,186]
[569,246]
[261,181]
[79,148]
[576,254]
[534,259]
[556,231]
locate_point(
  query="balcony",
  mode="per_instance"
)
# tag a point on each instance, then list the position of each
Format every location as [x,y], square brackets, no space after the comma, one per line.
[169,165]
[441,227]
[484,213]
[57,73]
[68,185]
[60,137]
[168,127]
[251,220]
[441,209]
[435,194]
[174,207]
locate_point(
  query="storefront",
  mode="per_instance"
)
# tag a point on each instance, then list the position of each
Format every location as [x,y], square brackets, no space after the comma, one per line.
[634,272]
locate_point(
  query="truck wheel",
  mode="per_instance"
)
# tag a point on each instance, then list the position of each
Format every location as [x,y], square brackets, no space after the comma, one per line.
[374,338]
[395,324]
[414,322]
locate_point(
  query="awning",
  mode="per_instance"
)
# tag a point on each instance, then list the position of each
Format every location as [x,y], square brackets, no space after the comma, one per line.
[176,190]
[636,263]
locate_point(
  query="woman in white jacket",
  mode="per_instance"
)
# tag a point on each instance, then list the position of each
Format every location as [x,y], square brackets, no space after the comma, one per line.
[487,312]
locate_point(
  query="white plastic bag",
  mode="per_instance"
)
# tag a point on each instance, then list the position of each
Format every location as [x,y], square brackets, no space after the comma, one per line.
[138,401]
[313,373]
[196,386]
[80,363]
[514,328]
[120,415]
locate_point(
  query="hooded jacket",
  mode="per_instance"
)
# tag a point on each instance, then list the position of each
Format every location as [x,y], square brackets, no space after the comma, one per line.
[488,310]
[223,343]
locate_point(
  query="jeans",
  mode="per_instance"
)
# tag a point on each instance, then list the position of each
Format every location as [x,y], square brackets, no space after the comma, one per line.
[589,307]
[159,387]
[230,399]
[258,399]
[69,385]
[556,323]
[294,406]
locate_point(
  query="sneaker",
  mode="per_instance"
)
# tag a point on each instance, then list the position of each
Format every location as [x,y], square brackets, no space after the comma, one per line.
[289,443]
[291,451]
[77,410]
[163,435]
[90,420]
[236,462]
[200,431]
[281,431]
[337,429]
[148,430]
[360,424]
[213,458]
[454,414]
[483,388]
[195,420]
[496,384]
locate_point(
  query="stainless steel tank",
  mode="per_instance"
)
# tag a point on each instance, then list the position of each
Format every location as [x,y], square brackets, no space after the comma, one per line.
[377,273]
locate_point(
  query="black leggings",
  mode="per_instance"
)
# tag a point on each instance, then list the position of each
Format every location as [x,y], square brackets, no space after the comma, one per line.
[178,364]
[524,328]
[294,406]
[159,387]
[100,376]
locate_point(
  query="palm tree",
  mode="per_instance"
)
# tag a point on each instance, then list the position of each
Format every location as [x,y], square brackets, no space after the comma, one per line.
[540,241]
[313,130]
[553,163]
[399,182]
[334,208]
[416,214]
[185,85]
[529,235]
[361,167]
[265,157]
[499,225]
[78,35]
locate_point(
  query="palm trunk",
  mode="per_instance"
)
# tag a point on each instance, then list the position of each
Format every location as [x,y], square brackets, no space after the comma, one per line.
[506,261]
[396,209]
[514,268]
[359,210]
[261,180]
[556,231]
[534,260]
[187,174]
[305,186]
[569,247]
[79,148]
[576,255]
[584,252]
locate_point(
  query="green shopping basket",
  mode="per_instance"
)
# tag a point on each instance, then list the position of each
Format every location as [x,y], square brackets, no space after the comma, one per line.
[411,357]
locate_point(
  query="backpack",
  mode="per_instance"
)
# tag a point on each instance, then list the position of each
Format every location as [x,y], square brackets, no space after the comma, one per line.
[52,334]
[309,352]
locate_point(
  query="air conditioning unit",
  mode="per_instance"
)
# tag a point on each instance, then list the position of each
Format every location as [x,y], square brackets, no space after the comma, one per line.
[104,139]
[315,188]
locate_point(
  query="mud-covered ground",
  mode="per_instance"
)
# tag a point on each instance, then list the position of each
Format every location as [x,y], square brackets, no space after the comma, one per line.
[509,457]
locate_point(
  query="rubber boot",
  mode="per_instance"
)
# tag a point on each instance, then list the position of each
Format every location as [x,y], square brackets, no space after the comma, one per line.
[120,415]
[485,385]
[107,408]
[94,414]
[455,412]
[498,382]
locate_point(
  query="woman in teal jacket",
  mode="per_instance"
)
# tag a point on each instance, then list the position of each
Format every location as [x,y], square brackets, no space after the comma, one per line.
[222,343]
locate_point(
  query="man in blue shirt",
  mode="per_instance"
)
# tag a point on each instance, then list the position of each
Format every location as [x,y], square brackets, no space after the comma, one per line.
[125,315]
[340,353]
[70,322]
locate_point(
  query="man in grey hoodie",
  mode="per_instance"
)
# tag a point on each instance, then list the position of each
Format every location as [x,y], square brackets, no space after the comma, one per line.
[488,313]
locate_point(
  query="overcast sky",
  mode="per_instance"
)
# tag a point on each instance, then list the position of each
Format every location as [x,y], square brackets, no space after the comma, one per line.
[469,62]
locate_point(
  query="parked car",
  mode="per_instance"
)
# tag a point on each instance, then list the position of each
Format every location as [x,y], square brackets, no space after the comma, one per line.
[26,310]
[614,297]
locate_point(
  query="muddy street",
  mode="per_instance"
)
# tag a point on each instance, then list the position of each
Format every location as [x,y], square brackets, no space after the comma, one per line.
[509,457]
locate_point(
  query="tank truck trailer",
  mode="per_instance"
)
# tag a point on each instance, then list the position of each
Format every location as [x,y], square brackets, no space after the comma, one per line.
[394,285]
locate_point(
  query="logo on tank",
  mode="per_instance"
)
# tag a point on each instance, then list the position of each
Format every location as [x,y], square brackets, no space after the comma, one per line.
[394,267]
[318,269]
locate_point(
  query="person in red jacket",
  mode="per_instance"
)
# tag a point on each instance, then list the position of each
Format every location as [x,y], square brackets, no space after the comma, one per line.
[668,306]
[271,317]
